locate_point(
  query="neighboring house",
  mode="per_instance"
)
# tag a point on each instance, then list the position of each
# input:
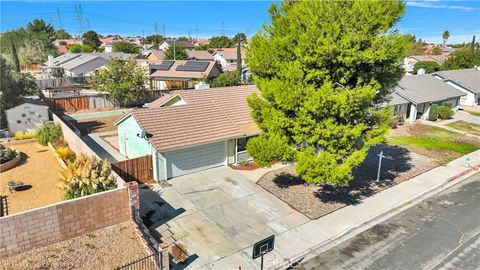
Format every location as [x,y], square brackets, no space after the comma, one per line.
[410,61]
[188,45]
[156,56]
[61,49]
[68,42]
[465,80]
[199,55]
[190,131]
[31,113]
[78,65]
[420,92]
[447,50]
[227,58]
[181,74]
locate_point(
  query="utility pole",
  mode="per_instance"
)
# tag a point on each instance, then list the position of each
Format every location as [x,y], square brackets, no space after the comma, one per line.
[221,29]
[79,15]
[174,52]
[59,17]
[156,28]
[163,30]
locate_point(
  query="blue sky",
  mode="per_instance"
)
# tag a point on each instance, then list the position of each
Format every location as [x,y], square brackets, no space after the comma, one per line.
[425,19]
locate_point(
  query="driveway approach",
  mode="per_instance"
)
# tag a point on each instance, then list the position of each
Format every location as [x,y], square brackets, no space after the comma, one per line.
[214,214]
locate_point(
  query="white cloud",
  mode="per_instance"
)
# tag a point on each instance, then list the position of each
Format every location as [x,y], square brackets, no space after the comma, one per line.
[436,4]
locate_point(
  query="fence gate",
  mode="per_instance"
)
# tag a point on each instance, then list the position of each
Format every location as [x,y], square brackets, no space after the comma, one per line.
[136,169]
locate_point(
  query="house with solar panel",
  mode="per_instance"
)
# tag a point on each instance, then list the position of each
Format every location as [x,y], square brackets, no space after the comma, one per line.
[181,74]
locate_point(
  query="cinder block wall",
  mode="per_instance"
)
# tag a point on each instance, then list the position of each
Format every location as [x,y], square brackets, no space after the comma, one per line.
[44,226]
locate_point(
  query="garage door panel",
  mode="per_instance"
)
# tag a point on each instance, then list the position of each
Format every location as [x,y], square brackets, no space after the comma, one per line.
[195,159]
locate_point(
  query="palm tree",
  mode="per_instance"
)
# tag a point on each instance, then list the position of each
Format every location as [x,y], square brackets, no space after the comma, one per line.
[445,36]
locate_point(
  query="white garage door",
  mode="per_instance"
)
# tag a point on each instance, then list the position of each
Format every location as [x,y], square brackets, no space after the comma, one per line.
[193,159]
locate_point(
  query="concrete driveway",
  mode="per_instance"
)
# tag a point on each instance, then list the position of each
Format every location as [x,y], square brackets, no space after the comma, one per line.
[216,215]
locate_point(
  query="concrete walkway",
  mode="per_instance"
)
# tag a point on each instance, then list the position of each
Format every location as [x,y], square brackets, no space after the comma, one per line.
[315,236]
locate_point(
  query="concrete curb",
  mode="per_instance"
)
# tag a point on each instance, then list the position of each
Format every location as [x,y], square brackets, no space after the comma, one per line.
[367,224]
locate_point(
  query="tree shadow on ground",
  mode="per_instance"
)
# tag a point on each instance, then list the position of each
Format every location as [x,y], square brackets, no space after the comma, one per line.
[364,182]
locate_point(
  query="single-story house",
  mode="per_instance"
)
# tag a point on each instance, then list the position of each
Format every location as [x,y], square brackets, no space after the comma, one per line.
[188,45]
[227,58]
[181,74]
[28,115]
[410,61]
[465,80]
[199,55]
[189,131]
[155,56]
[78,65]
[414,95]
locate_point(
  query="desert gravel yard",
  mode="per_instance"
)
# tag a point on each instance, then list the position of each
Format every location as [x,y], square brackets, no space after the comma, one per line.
[318,200]
[39,170]
[103,249]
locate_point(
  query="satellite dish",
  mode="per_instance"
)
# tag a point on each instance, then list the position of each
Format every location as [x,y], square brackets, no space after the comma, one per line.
[144,134]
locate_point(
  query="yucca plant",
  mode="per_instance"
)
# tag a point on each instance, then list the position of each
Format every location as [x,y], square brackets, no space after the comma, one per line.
[86,176]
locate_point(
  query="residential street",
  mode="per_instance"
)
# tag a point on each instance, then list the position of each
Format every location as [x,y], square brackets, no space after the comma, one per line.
[442,232]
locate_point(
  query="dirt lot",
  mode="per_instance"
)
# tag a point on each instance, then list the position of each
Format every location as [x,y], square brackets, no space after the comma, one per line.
[103,124]
[39,170]
[318,200]
[103,249]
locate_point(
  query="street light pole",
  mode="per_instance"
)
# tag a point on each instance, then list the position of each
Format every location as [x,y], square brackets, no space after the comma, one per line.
[380,156]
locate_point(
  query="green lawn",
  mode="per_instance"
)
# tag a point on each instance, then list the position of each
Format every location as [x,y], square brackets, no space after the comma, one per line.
[438,143]
[465,126]
[473,113]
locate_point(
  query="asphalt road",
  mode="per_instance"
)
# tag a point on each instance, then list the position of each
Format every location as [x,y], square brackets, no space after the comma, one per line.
[442,232]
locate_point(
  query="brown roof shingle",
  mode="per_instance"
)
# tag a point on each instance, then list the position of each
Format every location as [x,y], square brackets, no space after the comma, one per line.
[209,115]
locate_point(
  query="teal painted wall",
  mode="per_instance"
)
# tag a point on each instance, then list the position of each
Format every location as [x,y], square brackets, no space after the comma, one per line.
[135,146]
[138,147]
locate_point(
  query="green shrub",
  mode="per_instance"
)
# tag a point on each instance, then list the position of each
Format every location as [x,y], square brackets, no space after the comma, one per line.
[433,113]
[7,154]
[86,176]
[393,122]
[49,133]
[428,66]
[445,111]
[400,117]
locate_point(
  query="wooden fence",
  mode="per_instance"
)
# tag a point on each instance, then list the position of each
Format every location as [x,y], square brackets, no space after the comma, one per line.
[70,104]
[136,169]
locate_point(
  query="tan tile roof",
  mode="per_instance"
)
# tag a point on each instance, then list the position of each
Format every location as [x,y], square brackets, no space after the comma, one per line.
[172,73]
[200,55]
[158,54]
[435,58]
[160,101]
[210,115]
[230,53]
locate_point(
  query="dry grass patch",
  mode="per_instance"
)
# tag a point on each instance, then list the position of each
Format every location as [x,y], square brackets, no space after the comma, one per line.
[435,142]
[465,126]
[102,249]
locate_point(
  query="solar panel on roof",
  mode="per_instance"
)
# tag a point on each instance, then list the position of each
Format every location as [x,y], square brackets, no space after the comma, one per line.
[197,66]
[165,65]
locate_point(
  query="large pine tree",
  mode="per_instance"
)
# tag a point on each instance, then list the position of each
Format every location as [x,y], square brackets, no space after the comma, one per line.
[323,68]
